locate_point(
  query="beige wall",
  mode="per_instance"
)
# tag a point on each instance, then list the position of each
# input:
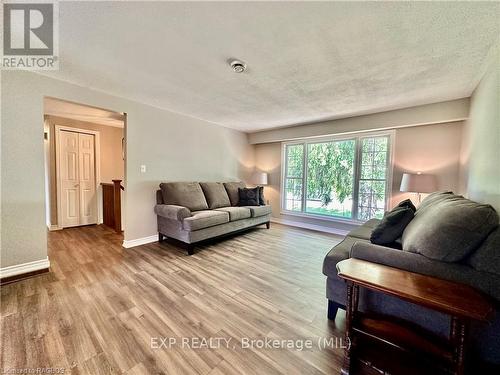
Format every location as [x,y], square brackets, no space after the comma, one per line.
[172,146]
[450,111]
[431,148]
[480,163]
[111,163]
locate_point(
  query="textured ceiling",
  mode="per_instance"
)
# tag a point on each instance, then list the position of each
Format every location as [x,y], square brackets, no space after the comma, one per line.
[306,61]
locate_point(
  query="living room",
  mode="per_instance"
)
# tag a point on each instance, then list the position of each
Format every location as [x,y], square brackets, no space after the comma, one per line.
[265,144]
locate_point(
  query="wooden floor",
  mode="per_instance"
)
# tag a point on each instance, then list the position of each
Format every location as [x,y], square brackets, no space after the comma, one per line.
[101,307]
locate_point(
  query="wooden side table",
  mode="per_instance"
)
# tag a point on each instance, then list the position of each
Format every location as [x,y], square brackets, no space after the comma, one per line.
[461,302]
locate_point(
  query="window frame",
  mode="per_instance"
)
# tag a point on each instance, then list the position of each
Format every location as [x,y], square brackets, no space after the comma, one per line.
[357,137]
[285,170]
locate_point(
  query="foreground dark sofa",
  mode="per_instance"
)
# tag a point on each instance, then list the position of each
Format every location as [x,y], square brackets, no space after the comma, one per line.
[480,268]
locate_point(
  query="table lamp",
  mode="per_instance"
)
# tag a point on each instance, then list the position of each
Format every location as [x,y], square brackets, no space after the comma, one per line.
[418,183]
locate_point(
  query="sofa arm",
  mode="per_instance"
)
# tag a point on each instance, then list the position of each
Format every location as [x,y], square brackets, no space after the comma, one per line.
[172,212]
[412,262]
[486,282]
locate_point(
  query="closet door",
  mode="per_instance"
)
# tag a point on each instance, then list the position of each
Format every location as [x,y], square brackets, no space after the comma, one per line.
[77,195]
[87,183]
[70,179]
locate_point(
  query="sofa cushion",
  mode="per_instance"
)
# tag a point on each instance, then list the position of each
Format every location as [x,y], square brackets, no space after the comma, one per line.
[449,228]
[236,213]
[259,210]
[249,197]
[232,191]
[391,227]
[487,257]
[215,194]
[364,231]
[204,219]
[338,253]
[187,194]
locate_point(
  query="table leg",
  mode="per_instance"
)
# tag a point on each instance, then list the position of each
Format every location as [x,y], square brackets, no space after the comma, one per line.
[351,308]
[355,299]
[458,336]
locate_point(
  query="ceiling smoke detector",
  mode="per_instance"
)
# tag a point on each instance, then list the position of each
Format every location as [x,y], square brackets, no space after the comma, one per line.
[238,66]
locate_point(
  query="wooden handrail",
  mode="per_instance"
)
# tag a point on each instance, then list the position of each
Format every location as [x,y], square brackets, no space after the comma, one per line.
[111,201]
[117,205]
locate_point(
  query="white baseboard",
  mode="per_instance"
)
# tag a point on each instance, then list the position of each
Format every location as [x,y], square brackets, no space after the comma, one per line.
[19,269]
[139,241]
[319,228]
[54,227]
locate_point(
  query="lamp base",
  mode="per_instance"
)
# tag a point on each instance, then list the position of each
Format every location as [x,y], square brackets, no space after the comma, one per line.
[419,195]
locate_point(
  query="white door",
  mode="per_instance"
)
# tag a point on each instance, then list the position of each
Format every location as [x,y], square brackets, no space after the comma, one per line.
[88,199]
[77,174]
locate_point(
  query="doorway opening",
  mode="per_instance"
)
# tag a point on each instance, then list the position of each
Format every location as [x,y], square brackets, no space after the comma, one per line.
[84,165]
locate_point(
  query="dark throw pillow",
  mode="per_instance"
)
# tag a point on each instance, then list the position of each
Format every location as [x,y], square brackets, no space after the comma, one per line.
[262,200]
[407,203]
[249,197]
[391,227]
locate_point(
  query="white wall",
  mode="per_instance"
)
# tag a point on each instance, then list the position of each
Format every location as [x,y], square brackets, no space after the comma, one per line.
[431,149]
[172,146]
[480,175]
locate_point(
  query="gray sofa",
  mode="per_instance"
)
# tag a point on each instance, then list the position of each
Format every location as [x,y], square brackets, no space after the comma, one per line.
[192,212]
[470,244]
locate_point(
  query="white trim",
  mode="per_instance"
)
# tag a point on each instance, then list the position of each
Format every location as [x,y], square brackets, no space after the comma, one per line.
[54,227]
[19,269]
[97,161]
[334,219]
[139,241]
[318,228]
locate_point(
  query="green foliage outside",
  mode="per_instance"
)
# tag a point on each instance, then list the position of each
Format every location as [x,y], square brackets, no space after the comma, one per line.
[373,167]
[325,211]
[330,169]
[295,155]
[330,175]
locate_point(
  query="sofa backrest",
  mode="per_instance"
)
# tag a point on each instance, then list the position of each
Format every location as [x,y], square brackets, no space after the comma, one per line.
[186,194]
[215,194]
[449,227]
[432,199]
[232,191]
[159,197]
[487,257]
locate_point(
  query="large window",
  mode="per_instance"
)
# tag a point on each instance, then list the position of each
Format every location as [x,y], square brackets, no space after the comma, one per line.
[338,178]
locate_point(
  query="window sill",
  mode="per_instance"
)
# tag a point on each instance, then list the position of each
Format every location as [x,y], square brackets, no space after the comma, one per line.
[321,217]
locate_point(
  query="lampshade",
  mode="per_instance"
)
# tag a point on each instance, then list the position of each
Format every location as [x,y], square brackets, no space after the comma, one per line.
[418,183]
[259,178]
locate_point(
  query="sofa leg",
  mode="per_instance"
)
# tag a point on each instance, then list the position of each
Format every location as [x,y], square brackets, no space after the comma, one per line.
[160,237]
[268,225]
[190,249]
[332,309]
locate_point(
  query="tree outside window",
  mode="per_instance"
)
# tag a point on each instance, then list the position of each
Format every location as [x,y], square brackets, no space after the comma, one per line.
[344,178]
